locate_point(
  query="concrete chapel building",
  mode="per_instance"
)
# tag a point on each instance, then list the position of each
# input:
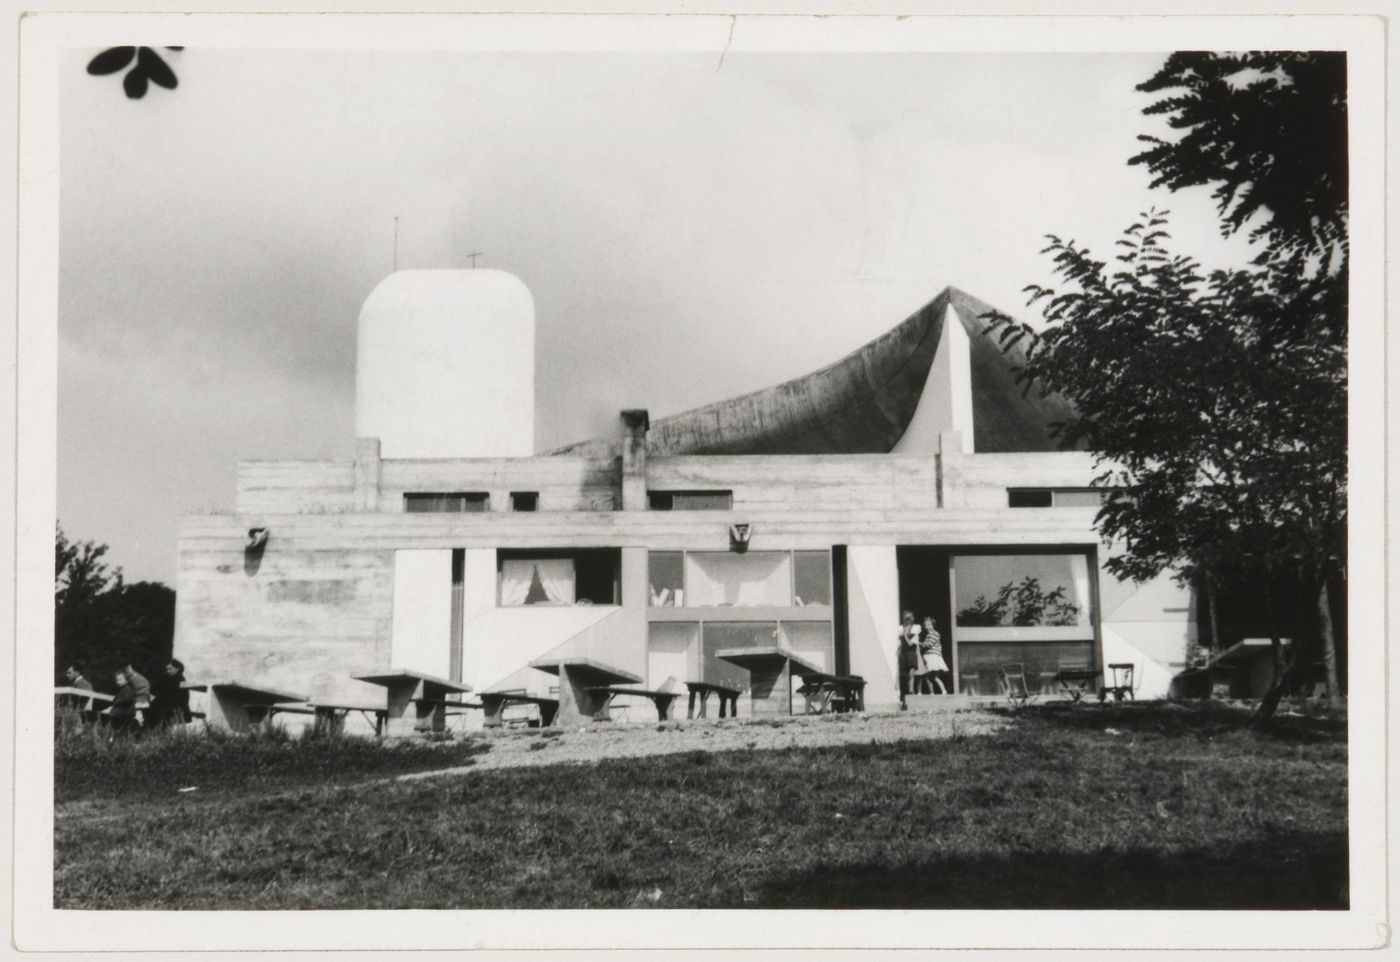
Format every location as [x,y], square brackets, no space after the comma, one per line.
[910,474]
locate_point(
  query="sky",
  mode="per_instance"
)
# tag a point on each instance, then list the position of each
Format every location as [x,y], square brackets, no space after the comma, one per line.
[689,229]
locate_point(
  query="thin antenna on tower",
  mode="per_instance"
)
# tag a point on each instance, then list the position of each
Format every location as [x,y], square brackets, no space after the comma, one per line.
[474,255]
[396,242]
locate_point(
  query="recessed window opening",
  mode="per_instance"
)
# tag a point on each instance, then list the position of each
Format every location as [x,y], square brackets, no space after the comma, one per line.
[690,500]
[452,502]
[563,577]
[524,500]
[1055,497]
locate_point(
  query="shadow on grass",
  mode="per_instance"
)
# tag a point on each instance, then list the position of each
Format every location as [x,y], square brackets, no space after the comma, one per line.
[1312,724]
[1312,874]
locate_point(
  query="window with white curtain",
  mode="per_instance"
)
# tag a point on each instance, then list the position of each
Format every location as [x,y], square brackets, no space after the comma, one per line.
[562,576]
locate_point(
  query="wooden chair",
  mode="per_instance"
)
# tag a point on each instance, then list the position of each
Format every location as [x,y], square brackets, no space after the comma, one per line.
[1013,683]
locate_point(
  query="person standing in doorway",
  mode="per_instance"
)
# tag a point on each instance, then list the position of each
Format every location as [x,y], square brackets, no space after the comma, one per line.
[907,656]
[935,668]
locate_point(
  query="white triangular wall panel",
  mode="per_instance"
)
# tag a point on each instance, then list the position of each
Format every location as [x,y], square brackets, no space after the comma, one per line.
[946,401]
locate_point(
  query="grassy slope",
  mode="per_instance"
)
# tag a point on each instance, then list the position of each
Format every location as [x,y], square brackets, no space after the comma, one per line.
[1180,810]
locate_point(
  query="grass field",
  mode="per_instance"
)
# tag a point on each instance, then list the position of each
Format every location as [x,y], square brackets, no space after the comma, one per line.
[1131,807]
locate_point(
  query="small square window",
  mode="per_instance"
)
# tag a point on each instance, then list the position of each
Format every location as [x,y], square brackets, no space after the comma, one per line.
[524,501]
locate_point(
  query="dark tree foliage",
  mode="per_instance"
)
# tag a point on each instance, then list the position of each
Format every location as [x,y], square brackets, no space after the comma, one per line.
[1023,604]
[1224,447]
[1268,131]
[150,68]
[100,622]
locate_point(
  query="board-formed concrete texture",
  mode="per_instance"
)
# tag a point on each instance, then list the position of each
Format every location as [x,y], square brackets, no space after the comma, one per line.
[445,365]
[867,401]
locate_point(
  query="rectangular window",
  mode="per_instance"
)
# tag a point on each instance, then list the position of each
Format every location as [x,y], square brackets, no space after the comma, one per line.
[1055,497]
[457,502]
[690,500]
[1028,498]
[979,664]
[524,500]
[1021,591]
[753,579]
[666,574]
[584,576]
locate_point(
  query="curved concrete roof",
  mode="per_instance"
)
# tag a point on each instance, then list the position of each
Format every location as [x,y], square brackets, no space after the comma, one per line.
[863,403]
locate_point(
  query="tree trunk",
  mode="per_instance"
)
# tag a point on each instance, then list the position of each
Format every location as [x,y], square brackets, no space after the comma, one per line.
[1329,642]
[1282,673]
[1214,615]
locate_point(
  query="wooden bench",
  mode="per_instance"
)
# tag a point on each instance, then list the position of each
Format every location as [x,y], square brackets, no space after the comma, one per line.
[661,699]
[494,703]
[426,694]
[823,692]
[728,697]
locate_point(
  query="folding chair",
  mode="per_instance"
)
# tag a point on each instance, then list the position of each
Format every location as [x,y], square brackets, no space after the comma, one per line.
[1013,683]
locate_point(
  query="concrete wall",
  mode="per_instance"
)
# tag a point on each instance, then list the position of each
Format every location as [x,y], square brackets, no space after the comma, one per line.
[946,402]
[1150,625]
[563,484]
[445,365]
[810,482]
[872,579]
[422,623]
[281,487]
[299,617]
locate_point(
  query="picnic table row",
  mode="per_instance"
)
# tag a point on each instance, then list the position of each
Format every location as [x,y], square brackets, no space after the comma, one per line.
[416,701]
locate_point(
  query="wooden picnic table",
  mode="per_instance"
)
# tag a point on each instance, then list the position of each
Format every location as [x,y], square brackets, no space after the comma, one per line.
[770,675]
[661,699]
[580,680]
[727,697]
[1076,682]
[494,703]
[825,692]
[427,694]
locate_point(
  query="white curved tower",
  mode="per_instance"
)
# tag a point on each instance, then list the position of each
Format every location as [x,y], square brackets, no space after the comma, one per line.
[445,365]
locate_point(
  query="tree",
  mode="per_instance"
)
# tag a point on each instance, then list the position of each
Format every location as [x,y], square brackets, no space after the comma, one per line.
[1215,403]
[102,623]
[1269,131]
[1223,449]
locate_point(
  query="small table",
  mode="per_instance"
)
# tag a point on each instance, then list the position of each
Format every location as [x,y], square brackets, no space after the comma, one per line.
[661,699]
[426,693]
[580,680]
[824,692]
[494,703]
[239,706]
[727,697]
[1076,682]
[770,675]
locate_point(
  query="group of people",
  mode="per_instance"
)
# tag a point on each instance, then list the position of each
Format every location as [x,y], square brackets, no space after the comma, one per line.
[922,670]
[140,703]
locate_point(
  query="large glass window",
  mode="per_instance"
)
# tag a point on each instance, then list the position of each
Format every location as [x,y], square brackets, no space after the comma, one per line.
[754,579]
[1021,591]
[980,663]
[673,653]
